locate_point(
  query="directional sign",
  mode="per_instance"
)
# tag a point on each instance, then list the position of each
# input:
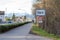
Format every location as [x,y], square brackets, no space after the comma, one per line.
[40,12]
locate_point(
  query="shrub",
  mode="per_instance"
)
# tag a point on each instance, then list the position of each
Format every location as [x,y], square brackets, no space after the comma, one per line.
[6,27]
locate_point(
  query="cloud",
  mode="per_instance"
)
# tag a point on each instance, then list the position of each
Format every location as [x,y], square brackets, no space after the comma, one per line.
[14,5]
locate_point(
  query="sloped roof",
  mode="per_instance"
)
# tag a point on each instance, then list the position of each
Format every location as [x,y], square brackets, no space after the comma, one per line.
[1,12]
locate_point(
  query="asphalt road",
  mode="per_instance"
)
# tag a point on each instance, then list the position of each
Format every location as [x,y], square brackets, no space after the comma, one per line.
[21,33]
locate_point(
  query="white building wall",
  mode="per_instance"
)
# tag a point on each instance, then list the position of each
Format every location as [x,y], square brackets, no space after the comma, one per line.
[2,17]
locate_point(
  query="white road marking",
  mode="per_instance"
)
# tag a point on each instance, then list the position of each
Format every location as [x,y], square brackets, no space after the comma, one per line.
[19,37]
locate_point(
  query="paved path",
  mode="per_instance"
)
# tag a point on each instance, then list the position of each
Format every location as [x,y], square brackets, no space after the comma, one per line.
[21,33]
[35,37]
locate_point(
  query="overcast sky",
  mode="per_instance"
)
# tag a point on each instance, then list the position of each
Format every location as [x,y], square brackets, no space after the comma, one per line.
[13,5]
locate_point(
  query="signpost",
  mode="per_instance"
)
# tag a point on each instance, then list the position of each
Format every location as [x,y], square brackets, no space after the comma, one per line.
[40,19]
[40,15]
[40,12]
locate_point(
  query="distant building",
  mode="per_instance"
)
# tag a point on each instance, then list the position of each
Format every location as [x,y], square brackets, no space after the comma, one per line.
[19,19]
[1,16]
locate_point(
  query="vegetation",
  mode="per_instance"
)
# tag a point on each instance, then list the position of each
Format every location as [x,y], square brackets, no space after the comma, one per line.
[6,27]
[52,8]
[53,16]
[8,19]
[41,32]
[24,18]
[13,17]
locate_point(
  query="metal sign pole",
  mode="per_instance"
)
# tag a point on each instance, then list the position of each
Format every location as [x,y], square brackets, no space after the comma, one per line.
[41,13]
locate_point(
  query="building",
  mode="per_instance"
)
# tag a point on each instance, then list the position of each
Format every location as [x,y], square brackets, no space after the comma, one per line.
[19,19]
[1,16]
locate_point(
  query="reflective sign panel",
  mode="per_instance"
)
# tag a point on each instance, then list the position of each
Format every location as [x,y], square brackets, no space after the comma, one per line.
[40,12]
[40,19]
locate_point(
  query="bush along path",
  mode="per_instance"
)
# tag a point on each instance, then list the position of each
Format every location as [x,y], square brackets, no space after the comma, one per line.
[7,27]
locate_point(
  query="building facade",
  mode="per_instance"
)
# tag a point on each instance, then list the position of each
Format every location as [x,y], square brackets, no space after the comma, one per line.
[1,16]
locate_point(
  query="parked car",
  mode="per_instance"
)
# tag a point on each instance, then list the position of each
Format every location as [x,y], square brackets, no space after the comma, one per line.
[9,21]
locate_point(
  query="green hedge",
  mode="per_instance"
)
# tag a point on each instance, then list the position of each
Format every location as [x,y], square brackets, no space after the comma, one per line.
[4,28]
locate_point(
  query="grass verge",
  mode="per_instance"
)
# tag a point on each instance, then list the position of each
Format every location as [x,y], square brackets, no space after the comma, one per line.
[38,31]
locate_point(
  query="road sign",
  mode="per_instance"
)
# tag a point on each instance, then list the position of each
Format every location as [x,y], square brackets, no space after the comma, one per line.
[40,19]
[40,12]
